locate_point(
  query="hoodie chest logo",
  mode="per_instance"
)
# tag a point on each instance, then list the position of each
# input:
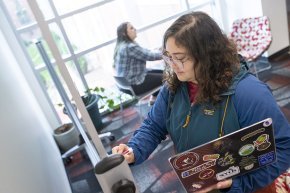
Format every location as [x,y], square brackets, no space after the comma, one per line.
[209,112]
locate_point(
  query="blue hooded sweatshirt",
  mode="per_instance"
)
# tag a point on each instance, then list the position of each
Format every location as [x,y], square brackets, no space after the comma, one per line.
[246,102]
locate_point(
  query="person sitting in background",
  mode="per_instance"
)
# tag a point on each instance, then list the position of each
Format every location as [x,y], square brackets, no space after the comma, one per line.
[130,62]
[204,73]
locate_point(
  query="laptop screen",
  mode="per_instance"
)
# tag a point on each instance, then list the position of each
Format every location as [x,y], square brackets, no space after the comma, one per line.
[231,155]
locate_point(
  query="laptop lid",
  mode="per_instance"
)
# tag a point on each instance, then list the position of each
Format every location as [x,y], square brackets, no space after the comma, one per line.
[232,155]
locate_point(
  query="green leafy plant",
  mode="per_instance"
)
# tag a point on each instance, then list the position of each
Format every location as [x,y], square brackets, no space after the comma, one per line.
[107,100]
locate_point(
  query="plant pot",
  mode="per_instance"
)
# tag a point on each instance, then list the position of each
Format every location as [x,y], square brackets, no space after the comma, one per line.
[91,103]
[66,137]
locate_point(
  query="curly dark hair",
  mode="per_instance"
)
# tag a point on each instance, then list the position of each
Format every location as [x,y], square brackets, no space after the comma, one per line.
[215,55]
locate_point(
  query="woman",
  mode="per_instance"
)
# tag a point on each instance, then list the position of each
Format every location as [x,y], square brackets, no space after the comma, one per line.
[130,61]
[204,75]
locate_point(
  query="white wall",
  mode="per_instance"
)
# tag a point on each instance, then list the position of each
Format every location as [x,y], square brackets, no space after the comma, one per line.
[277,12]
[30,160]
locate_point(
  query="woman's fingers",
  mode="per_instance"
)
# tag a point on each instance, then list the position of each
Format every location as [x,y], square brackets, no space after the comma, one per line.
[129,158]
[225,184]
[126,151]
[219,185]
[205,190]
[119,149]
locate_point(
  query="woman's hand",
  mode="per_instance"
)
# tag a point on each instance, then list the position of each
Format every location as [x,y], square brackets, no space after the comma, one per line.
[219,185]
[125,151]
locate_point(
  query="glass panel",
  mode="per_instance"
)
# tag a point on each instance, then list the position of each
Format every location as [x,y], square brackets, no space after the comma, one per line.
[75,76]
[30,37]
[153,38]
[99,73]
[49,84]
[194,3]
[99,25]
[144,12]
[45,8]
[65,7]
[52,89]
[21,14]
[59,40]
[208,8]
[54,94]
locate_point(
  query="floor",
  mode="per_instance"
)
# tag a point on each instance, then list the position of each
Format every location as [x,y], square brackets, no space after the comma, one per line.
[155,174]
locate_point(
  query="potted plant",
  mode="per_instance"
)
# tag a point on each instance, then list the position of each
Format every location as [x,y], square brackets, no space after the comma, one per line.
[99,103]
[106,102]
[66,137]
[94,101]
[109,102]
[91,101]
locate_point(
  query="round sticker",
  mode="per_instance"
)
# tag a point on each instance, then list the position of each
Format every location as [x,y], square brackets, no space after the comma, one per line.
[206,174]
[186,161]
[246,150]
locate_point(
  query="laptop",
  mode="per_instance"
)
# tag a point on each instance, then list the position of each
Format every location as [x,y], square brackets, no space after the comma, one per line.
[232,155]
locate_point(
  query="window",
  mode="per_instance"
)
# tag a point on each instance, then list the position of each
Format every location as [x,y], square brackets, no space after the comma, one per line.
[21,15]
[85,31]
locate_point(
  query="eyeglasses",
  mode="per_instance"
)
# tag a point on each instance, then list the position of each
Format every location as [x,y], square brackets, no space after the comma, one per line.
[174,61]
